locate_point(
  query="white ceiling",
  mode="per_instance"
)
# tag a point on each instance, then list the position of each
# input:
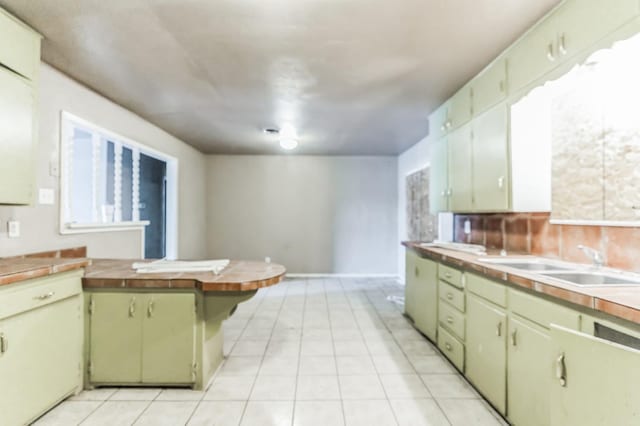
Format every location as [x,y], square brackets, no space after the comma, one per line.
[352,76]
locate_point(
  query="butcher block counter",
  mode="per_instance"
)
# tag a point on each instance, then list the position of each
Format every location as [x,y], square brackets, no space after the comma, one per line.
[162,329]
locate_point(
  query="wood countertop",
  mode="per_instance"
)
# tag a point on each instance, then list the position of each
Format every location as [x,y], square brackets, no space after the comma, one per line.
[13,270]
[619,301]
[239,275]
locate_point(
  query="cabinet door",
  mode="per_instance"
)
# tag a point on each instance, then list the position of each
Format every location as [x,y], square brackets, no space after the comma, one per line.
[116,337]
[460,170]
[533,56]
[489,88]
[168,338]
[596,382]
[438,179]
[439,121]
[528,378]
[486,350]
[426,298]
[40,359]
[16,138]
[19,46]
[410,283]
[460,108]
[581,23]
[490,161]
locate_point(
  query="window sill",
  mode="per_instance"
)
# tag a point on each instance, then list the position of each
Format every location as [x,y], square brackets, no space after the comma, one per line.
[81,228]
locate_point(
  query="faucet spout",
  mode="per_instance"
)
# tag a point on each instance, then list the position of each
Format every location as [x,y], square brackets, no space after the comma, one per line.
[596,256]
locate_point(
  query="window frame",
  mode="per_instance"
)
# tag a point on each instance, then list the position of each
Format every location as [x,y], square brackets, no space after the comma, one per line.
[68,122]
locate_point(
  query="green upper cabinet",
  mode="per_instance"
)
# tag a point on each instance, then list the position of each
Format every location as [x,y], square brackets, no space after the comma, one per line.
[459,112]
[572,28]
[439,176]
[489,87]
[19,47]
[490,161]
[16,138]
[460,174]
[486,359]
[595,382]
[19,64]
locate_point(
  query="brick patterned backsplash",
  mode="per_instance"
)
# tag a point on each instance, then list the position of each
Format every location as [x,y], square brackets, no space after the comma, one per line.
[532,233]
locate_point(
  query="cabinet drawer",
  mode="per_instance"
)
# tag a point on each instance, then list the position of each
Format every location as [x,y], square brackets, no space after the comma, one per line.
[451,347]
[490,290]
[27,295]
[452,319]
[452,295]
[542,311]
[451,275]
[19,46]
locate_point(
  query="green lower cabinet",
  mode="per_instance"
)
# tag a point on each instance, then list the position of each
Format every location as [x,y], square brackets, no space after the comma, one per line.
[426,298]
[168,339]
[528,373]
[595,382]
[141,338]
[486,358]
[40,359]
[411,283]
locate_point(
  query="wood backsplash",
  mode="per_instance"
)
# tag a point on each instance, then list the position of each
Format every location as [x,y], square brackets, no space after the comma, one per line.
[532,233]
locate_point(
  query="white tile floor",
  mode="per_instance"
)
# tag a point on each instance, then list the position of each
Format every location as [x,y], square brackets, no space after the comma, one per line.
[324,352]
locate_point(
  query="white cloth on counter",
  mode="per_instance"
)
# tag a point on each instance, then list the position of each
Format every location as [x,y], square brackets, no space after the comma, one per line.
[161,266]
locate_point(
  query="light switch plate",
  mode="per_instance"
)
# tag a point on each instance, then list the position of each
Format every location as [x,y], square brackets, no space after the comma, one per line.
[46,196]
[13,229]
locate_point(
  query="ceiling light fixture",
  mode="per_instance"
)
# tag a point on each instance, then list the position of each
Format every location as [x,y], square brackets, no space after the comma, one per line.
[288,143]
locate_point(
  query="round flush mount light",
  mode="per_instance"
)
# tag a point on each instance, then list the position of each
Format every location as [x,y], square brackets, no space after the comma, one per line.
[288,143]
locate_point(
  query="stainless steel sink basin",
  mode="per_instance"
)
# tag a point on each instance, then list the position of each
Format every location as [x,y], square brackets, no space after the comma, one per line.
[589,279]
[527,264]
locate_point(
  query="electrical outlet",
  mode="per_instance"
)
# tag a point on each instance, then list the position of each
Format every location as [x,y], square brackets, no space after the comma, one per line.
[13,229]
[467,226]
[46,196]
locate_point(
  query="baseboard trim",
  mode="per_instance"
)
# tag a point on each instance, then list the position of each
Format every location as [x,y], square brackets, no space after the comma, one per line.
[327,275]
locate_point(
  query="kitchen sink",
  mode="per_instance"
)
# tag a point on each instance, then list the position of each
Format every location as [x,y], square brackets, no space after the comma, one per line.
[533,264]
[588,279]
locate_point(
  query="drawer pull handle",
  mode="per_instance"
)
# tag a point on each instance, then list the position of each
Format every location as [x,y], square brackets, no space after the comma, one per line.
[450,320]
[45,296]
[449,296]
[447,275]
[513,337]
[561,371]
[132,307]
[499,329]
[150,309]
[448,346]
[4,343]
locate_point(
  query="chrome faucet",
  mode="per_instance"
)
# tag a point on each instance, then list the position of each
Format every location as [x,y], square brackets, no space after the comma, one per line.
[596,256]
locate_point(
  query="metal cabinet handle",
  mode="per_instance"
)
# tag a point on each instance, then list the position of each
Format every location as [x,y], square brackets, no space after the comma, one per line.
[561,44]
[450,320]
[132,307]
[45,296]
[4,343]
[448,275]
[449,296]
[499,329]
[448,346]
[561,370]
[150,308]
[501,182]
[443,128]
[501,85]
[513,337]
[417,272]
[551,56]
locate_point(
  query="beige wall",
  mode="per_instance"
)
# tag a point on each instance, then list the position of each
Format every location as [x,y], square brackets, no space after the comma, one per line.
[40,229]
[313,214]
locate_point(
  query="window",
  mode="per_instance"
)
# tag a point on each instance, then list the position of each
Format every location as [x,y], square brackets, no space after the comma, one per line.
[112,183]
